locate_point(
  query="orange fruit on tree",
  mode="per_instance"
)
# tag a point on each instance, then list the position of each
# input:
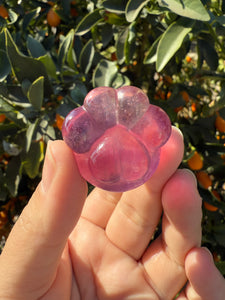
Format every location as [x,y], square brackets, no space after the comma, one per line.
[211,207]
[2,118]
[204,179]
[185,96]
[51,3]
[177,109]
[59,98]
[223,157]
[168,95]
[188,59]
[4,12]
[3,215]
[160,95]
[3,218]
[168,79]
[195,162]
[59,121]
[193,107]
[220,123]
[216,256]
[113,56]
[53,18]
[216,194]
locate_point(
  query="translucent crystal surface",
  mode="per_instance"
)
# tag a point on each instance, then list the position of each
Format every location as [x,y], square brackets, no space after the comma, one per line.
[116,137]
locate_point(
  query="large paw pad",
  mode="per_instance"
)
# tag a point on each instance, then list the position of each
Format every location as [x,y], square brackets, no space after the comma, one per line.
[116,137]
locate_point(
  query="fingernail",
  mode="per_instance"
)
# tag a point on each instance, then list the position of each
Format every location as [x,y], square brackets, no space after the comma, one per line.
[179,131]
[49,168]
[192,175]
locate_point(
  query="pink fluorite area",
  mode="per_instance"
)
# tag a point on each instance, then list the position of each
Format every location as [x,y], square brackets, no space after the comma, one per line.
[116,137]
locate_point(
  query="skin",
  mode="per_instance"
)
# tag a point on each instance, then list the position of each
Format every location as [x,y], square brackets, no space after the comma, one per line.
[67,246]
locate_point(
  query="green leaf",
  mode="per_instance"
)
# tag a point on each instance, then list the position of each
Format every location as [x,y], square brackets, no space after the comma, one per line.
[2,41]
[171,41]
[26,67]
[88,22]
[107,32]
[78,93]
[25,85]
[151,55]
[114,19]
[77,96]
[115,6]
[71,58]
[13,175]
[3,22]
[120,80]
[120,44]
[86,56]
[7,130]
[65,49]
[29,134]
[220,19]
[130,44]
[208,52]
[29,17]
[31,161]
[36,93]
[35,47]
[193,9]
[11,148]
[104,73]
[216,147]
[12,17]
[5,67]
[133,8]
[66,6]
[49,134]
[11,112]
[49,65]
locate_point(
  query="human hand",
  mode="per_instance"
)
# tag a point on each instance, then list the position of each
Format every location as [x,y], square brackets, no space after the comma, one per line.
[60,249]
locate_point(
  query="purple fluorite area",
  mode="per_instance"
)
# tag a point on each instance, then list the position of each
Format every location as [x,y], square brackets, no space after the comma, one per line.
[116,137]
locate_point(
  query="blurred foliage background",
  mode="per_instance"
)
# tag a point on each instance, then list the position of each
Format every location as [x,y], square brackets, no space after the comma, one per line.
[53,52]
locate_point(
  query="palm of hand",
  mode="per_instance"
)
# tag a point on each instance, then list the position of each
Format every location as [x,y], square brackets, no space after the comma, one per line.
[109,272]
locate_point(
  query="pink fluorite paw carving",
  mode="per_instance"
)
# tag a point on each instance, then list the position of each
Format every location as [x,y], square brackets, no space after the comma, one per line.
[116,137]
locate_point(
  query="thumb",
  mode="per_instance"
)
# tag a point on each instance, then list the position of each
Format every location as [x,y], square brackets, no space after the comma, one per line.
[32,252]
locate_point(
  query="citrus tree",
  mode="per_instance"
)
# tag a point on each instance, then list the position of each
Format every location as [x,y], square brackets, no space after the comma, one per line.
[53,52]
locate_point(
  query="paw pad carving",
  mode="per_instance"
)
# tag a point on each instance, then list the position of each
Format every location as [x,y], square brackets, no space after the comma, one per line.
[116,137]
